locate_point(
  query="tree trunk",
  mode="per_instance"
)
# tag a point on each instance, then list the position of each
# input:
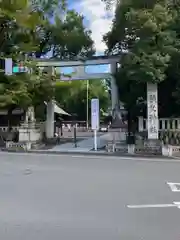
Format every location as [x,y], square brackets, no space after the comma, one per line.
[10,117]
[131,137]
[10,135]
[129,122]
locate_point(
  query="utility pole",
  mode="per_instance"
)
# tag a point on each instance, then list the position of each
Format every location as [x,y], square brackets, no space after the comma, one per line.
[5,63]
[87,104]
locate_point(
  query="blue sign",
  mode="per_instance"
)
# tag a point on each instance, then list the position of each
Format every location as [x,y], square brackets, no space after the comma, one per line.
[17,69]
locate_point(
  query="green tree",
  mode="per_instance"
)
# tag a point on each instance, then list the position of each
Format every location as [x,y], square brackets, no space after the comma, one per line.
[144,30]
[70,38]
[72,96]
[27,29]
[47,10]
[169,91]
[18,22]
[21,26]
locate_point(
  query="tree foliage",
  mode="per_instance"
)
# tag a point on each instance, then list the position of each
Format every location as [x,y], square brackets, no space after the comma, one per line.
[146,34]
[18,26]
[72,96]
[69,38]
[34,28]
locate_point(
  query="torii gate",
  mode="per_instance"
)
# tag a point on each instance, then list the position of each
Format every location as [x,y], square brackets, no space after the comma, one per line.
[81,74]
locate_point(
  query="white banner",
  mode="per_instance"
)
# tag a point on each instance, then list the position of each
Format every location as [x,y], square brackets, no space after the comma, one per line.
[8,66]
[95,114]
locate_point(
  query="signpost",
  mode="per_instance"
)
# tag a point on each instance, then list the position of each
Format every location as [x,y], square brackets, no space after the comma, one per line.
[95,119]
[8,66]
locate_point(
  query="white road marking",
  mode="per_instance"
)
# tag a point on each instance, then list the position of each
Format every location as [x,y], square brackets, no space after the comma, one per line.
[174,186]
[85,156]
[174,204]
[152,206]
[177,204]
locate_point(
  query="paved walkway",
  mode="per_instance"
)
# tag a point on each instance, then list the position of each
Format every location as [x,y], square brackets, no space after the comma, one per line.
[85,145]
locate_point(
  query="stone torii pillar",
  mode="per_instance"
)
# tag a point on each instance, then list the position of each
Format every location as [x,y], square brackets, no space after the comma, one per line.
[49,129]
[80,71]
[114,89]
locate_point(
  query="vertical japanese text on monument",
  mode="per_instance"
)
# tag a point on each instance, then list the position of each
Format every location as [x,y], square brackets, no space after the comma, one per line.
[153,114]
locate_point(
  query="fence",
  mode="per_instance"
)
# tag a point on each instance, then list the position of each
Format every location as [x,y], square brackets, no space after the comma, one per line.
[165,124]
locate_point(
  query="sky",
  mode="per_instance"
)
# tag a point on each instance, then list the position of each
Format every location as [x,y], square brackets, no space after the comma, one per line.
[99,21]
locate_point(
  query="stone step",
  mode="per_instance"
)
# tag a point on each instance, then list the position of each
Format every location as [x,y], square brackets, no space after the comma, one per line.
[116,142]
[148,150]
[36,146]
[118,147]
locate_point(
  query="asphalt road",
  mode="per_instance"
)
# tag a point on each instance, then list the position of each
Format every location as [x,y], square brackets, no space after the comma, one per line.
[85,198]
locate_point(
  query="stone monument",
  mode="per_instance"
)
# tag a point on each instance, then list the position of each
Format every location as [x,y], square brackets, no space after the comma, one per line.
[117,129]
[116,118]
[28,131]
[30,117]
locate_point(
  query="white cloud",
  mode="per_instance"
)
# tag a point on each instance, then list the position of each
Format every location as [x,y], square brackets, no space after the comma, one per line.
[100,20]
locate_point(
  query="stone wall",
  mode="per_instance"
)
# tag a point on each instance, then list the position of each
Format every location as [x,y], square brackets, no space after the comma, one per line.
[30,135]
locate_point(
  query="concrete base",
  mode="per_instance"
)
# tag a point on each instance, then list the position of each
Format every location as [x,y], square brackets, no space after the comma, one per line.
[161,150]
[26,146]
[53,140]
[150,147]
[169,150]
[131,148]
[110,147]
[166,151]
[29,134]
[117,135]
[152,143]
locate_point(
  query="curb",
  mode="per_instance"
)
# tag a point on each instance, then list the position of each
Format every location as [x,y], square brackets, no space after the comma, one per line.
[90,153]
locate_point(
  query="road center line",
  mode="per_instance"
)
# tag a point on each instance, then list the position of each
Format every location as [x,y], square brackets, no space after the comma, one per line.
[152,206]
[100,157]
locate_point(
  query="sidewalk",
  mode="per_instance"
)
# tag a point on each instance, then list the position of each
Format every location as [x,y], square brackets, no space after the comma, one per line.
[85,145]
